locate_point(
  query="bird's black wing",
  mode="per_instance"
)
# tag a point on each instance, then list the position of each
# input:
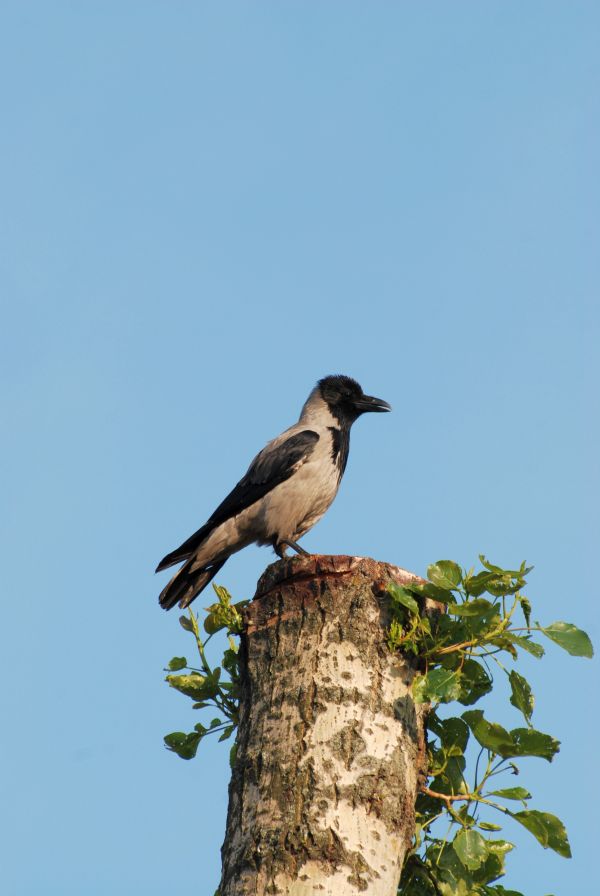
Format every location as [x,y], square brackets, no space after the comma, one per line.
[270,467]
[273,465]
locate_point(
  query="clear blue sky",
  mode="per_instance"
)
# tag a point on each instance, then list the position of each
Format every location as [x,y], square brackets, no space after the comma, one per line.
[205,208]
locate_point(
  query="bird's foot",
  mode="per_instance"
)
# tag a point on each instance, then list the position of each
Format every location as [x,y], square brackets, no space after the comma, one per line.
[287,542]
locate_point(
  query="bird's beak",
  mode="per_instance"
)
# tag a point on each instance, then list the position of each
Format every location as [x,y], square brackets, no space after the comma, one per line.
[370,403]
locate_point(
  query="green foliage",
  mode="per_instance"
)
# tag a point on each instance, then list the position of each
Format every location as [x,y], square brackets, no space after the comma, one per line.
[205,685]
[572,639]
[457,649]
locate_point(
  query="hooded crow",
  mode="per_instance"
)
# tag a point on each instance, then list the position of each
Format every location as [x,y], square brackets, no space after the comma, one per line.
[288,487]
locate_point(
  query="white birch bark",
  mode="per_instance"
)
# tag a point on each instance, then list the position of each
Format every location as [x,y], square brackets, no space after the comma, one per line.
[330,745]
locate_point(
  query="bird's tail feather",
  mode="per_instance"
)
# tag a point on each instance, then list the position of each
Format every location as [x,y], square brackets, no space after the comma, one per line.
[185,550]
[187,583]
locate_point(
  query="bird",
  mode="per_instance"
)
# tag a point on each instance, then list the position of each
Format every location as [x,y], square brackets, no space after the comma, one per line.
[287,488]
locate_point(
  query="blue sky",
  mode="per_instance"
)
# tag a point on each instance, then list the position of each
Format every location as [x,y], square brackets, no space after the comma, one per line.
[205,208]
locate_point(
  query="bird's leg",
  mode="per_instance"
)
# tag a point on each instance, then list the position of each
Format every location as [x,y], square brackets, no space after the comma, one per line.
[279,548]
[291,544]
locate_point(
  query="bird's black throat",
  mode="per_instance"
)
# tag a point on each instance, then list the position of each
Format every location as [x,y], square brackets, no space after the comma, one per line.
[340,446]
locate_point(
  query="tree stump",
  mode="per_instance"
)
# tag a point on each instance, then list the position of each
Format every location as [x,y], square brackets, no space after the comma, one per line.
[331,747]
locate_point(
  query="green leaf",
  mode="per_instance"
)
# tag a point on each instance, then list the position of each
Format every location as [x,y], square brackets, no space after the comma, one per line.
[489,734]
[500,847]
[477,607]
[452,732]
[477,584]
[529,742]
[185,745]
[520,573]
[546,828]
[445,574]
[428,589]
[198,687]
[490,566]
[570,638]
[471,848]
[500,640]
[452,877]
[526,643]
[452,779]
[224,614]
[403,597]
[213,624]
[439,685]
[511,793]
[494,866]
[518,742]
[505,584]
[475,682]
[488,826]
[223,595]
[178,662]
[184,622]
[495,580]
[396,637]
[526,607]
[521,696]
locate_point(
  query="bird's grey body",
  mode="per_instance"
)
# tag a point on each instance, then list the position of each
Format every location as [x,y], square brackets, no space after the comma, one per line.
[288,487]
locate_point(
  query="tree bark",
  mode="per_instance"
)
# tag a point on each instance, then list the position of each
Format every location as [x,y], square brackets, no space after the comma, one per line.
[331,747]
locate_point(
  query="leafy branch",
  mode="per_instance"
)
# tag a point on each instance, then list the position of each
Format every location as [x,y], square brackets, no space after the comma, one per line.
[486,626]
[457,651]
[205,684]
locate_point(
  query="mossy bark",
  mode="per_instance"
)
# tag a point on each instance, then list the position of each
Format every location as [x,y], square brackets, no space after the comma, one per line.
[331,746]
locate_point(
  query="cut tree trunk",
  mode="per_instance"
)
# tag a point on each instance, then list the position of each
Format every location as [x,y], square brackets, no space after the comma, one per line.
[331,748]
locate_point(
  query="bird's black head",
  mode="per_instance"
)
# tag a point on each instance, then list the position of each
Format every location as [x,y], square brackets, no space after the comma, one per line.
[346,400]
